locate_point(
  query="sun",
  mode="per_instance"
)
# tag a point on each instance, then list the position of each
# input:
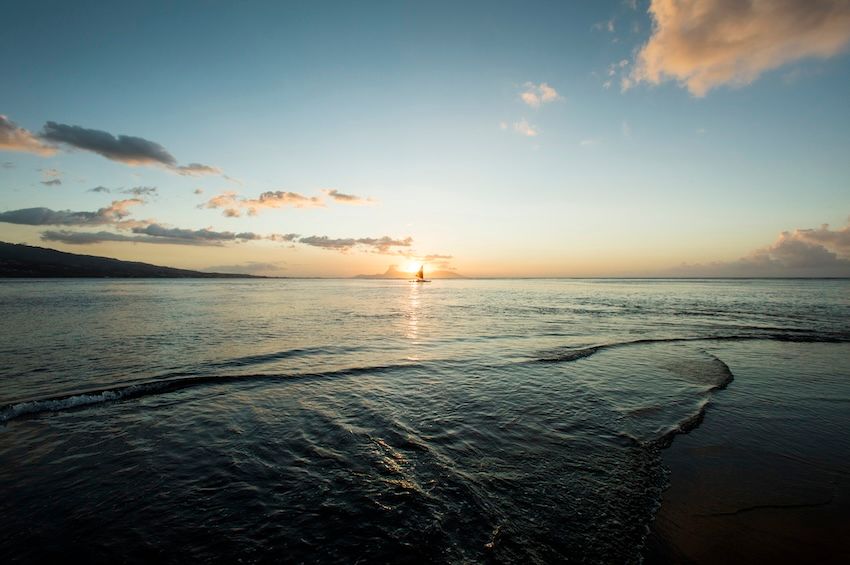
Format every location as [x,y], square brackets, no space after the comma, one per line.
[411,266]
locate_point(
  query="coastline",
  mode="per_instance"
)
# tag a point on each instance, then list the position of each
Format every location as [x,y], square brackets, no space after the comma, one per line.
[766,477]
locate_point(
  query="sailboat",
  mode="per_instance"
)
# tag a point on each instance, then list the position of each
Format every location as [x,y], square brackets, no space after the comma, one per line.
[420,275]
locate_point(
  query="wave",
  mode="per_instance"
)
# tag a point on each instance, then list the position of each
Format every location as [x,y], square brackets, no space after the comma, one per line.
[582,352]
[694,420]
[279,355]
[168,384]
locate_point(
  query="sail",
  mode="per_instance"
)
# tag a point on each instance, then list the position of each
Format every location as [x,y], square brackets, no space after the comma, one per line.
[421,273]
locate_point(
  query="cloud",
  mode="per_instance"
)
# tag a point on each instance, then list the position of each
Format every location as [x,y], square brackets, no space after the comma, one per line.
[88,238]
[710,43]
[537,94]
[202,235]
[343,198]
[99,189]
[111,214]
[125,149]
[141,191]
[800,253]
[838,240]
[51,182]
[382,245]
[524,128]
[157,233]
[197,170]
[198,191]
[14,138]
[233,204]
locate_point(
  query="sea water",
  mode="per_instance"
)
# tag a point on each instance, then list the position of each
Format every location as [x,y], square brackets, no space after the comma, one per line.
[372,421]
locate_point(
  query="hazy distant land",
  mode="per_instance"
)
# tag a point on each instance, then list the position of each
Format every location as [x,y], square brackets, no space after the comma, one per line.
[393,273]
[25,261]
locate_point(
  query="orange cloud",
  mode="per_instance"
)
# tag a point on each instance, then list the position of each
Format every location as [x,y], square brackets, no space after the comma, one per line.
[233,205]
[536,94]
[14,138]
[343,198]
[704,44]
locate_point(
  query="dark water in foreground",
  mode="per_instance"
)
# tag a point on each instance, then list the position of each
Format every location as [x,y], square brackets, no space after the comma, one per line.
[373,421]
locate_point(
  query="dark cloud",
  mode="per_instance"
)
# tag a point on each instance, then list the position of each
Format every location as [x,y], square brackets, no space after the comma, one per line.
[99,189]
[384,245]
[157,233]
[201,235]
[14,138]
[123,148]
[47,217]
[86,238]
[51,182]
[126,149]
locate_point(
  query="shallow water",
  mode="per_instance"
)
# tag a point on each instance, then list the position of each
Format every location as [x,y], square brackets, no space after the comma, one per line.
[340,420]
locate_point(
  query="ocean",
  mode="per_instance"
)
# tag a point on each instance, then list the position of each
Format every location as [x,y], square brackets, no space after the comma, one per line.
[344,421]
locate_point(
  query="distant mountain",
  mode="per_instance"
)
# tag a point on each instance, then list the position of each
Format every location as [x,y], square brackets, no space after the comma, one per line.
[393,273]
[22,261]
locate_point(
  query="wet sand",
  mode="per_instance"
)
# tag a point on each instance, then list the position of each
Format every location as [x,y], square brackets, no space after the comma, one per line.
[766,477]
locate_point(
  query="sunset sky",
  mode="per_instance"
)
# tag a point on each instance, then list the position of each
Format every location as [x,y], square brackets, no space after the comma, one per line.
[497,139]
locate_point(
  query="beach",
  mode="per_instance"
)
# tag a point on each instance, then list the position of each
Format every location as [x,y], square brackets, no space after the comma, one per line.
[765,476]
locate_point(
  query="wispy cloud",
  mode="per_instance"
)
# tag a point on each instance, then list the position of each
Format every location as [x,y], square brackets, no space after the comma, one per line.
[197,170]
[343,198]
[522,127]
[536,95]
[706,44]
[141,191]
[14,138]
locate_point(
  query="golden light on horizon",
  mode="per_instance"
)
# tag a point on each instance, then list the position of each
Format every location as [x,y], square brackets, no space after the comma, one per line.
[412,266]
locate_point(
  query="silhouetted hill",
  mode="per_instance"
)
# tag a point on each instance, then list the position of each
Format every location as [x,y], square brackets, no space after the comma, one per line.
[393,273]
[27,261]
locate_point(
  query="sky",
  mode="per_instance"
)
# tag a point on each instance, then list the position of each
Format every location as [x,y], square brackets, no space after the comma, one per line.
[610,138]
